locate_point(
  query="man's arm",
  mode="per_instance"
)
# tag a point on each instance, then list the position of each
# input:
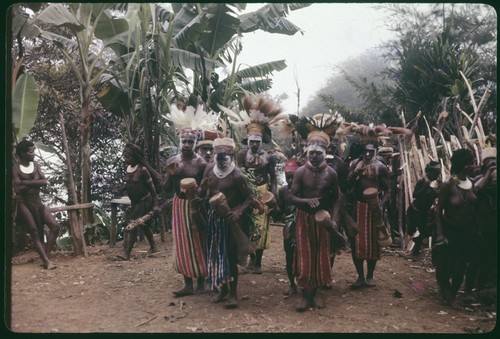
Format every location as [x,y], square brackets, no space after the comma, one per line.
[242,187]
[383,180]
[272,174]
[149,182]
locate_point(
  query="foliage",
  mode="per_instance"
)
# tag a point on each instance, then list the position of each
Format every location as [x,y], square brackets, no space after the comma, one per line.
[433,44]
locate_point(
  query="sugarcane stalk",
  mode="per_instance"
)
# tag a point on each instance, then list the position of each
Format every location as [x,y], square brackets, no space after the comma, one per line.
[145,218]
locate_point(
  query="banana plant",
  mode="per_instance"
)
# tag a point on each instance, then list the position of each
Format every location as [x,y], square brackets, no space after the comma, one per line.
[25,96]
[81,21]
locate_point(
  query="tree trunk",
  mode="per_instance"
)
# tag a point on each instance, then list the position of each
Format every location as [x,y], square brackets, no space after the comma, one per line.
[75,217]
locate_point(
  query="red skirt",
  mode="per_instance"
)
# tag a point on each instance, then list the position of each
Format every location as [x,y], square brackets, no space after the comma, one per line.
[312,252]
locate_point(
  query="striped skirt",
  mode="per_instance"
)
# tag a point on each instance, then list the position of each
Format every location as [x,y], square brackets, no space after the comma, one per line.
[312,253]
[217,249]
[366,241]
[188,241]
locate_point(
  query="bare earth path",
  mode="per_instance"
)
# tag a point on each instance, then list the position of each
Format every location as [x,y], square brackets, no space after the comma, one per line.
[101,294]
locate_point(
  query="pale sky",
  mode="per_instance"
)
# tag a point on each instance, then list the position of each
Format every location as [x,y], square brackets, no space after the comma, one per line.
[333,32]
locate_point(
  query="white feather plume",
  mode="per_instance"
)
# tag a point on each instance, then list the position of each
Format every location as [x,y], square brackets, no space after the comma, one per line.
[196,119]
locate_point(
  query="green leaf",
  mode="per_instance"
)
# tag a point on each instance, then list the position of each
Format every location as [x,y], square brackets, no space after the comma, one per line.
[109,26]
[192,60]
[57,14]
[262,70]
[25,98]
[270,18]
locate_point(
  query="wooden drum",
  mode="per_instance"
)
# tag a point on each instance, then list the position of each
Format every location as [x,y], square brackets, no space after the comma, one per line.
[188,186]
[173,168]
[371,194]
[219,204]
[268,199]
[323,219]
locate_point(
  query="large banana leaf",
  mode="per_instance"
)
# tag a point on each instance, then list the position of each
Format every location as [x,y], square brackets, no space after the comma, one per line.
[21,26]
[271,18]
[192,60]
[25,98]
[221,27]
[58,15]
[184,33]
[262,70]
[109,26]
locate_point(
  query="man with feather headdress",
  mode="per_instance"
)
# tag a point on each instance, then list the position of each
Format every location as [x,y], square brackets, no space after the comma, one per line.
[258,114]
[187,234]
[314,190]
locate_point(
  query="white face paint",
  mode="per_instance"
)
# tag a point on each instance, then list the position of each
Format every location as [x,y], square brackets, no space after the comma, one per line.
[316,148]
[316,154]
[223,160]
[254,143]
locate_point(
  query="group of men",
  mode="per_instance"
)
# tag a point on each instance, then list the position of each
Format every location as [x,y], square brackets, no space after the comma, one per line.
[325,203]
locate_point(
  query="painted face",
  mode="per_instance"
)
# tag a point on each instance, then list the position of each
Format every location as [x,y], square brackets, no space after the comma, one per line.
[223,159]
[254,145]
[207,152]
[187,145]
[316,155]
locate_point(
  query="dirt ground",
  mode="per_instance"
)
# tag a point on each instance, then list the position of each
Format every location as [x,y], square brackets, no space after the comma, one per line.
[101,294]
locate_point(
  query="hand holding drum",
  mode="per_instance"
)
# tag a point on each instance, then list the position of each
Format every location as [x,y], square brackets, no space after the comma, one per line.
[188,187]
[371,196]
[219,203]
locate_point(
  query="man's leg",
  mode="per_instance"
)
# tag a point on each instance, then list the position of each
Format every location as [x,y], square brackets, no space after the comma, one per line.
[54,228]
[369,275]
[358,264]
[187,289]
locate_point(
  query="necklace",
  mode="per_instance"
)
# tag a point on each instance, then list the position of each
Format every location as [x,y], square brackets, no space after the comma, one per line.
[223,173]
[465,184]
[131,169]
[27,169]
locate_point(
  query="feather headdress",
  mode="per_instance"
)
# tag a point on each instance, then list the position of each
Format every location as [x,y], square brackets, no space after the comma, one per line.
[322,125]
[374,133]
[192,120]
[258,115]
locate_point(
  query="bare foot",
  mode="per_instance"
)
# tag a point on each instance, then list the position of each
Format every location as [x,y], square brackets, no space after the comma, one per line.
[291,291]
[232,302]
[317,303]
[257,270]
[358,284]
[50,266]
[370,282]
[123,257]
[183,292]
[221,296]
[153,250]
[302,306]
